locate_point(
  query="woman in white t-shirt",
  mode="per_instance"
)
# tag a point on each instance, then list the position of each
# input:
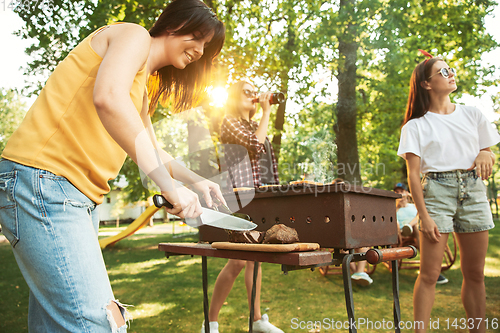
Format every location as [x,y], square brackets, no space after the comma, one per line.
[450,145]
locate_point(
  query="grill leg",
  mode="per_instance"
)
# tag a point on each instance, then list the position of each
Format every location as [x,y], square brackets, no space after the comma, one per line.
[205,292]
[395,293]
[254,291]
[346,272]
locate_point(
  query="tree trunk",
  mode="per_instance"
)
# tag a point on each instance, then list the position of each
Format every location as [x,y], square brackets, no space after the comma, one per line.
[345,128]
[199,158]
[280,113]
[278,125]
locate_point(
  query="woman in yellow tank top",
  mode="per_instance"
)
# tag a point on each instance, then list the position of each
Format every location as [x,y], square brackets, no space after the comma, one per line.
[93,111]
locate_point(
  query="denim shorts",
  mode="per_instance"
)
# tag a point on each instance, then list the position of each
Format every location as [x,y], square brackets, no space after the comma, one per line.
[52,228]
[457,202]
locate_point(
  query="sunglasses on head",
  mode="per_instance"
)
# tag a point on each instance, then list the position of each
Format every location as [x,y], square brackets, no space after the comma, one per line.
[445,72]
[249,93]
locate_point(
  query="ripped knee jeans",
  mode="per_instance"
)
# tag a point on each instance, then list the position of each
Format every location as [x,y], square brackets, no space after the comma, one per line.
[52,228]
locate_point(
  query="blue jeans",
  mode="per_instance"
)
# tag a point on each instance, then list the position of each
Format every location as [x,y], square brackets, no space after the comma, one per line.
[52,228]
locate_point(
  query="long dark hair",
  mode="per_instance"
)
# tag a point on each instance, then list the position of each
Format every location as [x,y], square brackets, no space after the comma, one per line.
[186,86]
[418,98]
[234,94]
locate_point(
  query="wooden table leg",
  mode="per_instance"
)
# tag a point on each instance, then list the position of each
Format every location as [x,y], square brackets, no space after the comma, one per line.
[204,273]
[254,292]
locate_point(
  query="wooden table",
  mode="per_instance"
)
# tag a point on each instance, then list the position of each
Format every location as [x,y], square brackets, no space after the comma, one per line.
[297,260]
[288,260]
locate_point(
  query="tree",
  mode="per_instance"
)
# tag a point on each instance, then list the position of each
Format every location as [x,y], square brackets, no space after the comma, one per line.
[58,26]
[386,37]
[12,111]
[308,147]
[369,47]
[265,40]
[345,128]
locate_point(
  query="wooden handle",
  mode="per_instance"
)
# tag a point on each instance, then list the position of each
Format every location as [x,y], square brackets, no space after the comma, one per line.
[375,256]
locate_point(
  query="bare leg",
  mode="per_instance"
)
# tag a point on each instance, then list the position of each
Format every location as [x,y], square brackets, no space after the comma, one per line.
[360,265]
[473,248]
[248,283]
[431,258]
[353,267]
[223,286]
[416,235]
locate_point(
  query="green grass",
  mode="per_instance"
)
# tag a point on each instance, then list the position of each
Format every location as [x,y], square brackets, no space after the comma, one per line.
[167,293]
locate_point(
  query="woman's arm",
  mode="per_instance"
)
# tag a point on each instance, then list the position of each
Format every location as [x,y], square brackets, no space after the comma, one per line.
[261,132]
[126,53]
[126,49]
[484,163]
[233,131]
[427,226]
[178,171]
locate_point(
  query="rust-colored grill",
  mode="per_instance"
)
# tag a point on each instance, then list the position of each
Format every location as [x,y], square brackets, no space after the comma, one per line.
[335,216]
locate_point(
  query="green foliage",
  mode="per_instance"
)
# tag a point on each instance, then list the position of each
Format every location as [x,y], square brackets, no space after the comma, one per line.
[387,54]
[293,46]
[58,26]
[12,111]
[314,153]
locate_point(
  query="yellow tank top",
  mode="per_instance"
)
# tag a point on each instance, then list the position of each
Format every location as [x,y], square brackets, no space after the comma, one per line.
[62,132]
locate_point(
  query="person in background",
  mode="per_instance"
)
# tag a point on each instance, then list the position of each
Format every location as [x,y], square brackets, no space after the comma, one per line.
[238,128]
[55,168]
[450,145]
[407,216]
[360,277]
[406,212]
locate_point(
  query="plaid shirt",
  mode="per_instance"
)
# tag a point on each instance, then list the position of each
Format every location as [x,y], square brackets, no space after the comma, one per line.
[244,172]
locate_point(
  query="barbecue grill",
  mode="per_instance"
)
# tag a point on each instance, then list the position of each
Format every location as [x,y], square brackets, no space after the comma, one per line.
[338,216]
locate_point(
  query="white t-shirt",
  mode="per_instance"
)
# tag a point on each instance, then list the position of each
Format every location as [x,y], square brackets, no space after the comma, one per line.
[447,142]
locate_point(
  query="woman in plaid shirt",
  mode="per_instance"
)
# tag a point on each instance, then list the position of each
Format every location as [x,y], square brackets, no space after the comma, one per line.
[245,136]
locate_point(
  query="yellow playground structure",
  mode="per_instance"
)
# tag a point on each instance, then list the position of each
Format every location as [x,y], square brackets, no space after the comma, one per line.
[139,222]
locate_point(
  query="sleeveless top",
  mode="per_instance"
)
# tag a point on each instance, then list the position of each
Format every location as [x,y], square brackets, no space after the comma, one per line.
[62,132]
